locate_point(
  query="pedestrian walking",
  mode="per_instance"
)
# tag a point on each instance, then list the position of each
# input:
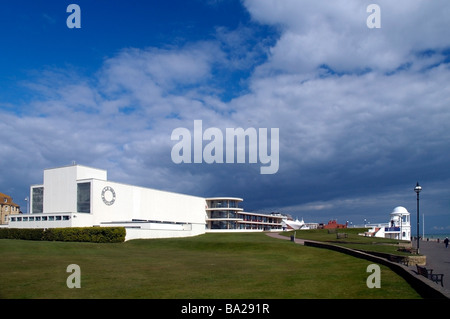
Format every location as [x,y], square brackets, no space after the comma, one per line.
[446,242]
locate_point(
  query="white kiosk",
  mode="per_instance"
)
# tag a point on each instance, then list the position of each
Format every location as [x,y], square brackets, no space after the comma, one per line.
[399,226]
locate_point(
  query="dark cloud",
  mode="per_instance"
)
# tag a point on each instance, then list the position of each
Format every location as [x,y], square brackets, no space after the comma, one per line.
[362,116]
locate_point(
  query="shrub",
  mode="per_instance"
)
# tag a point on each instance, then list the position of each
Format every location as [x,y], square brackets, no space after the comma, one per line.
[86,234]
[78,234]
[22,233]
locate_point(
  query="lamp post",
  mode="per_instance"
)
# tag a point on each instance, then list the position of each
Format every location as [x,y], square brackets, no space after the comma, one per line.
[27,199]
[417,189]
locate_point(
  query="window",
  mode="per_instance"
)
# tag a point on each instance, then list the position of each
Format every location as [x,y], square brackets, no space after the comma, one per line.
[219,225]
[84,197]
[219,214]
[38,200]
[65,217]
[58,217]
[233,204]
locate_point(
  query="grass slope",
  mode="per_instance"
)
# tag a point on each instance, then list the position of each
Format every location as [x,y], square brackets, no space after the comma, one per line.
[353,240]
[213,266]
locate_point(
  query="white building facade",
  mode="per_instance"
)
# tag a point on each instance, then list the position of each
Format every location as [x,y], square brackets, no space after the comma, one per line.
[80,196]
[399,226]
[224,214]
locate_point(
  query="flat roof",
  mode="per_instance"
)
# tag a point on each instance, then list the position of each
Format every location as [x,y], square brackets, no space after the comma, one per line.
[70,165]
[225,198]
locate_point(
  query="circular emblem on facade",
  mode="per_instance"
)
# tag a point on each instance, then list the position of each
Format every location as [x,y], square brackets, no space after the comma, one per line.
[108,195]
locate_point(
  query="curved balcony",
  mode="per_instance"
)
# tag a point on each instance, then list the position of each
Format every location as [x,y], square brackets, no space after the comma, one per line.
[223,203]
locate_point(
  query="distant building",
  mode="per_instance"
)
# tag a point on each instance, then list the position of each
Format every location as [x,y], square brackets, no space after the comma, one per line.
[398,227]
[291,224]
[7,207]
[332,224]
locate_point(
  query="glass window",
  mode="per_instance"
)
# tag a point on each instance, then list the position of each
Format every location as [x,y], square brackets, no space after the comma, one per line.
[38,200]
[58,217]
[84,198]
[51,218]
[66,217]
[233,204]
[219,214]
[218,225]
[232,225]
[44,218]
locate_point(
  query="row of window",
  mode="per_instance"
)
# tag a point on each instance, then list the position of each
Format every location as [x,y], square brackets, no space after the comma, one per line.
[6,208]
[40,218]
[223,224]
[224,204]
[253,218]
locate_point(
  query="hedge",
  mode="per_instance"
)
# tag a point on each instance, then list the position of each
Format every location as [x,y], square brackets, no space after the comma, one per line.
[75,234]
[22,233]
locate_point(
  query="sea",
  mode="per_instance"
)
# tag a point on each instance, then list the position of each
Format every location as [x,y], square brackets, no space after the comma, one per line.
[435,237]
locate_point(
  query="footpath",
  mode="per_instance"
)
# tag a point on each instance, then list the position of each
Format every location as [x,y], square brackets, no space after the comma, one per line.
[438,259]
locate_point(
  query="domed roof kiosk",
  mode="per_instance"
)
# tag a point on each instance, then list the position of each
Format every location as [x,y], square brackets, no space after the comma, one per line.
[400,223]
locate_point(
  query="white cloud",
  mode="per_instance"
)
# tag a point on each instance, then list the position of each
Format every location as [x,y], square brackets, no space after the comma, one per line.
[354,130]
[335,33]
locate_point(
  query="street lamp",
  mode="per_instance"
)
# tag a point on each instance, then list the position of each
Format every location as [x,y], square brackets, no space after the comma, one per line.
[27,199]
[417,189]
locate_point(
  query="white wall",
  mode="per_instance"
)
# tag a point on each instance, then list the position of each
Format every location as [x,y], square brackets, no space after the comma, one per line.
[84,172]
[136,233]
[60,186]
[133,202]
[60,190]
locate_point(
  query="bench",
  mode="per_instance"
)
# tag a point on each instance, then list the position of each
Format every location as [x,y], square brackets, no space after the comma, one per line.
[341,235]
[428,273]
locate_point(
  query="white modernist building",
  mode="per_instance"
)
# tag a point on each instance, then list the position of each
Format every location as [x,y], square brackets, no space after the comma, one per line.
[80,196]
[399,226]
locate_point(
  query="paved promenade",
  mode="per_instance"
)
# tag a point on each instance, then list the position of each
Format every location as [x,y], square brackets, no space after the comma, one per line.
[438,259]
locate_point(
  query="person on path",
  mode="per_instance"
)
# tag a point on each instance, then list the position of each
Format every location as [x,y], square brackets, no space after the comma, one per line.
[446,242]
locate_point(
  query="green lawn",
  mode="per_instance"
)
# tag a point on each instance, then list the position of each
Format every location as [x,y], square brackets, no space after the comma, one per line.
[213,266]
[355,241]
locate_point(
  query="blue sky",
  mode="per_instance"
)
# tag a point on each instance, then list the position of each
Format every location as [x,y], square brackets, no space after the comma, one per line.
[363,114]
